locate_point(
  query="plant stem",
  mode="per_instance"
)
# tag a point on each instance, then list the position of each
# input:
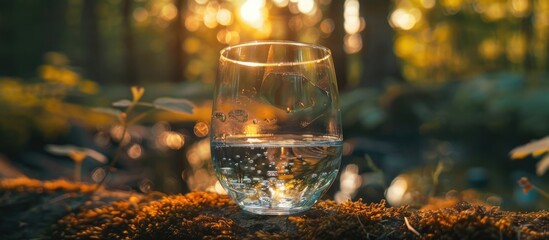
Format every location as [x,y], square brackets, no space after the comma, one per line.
[116,155]
[125,125]
[540,191]
[140,116]
[78,171]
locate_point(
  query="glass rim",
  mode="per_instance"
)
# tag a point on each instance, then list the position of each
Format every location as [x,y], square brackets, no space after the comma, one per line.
[327,53]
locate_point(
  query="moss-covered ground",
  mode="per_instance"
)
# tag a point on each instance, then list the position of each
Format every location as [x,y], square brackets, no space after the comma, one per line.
[32,209]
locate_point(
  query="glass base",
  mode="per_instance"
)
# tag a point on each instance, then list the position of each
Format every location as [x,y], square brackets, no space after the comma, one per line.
[261,210]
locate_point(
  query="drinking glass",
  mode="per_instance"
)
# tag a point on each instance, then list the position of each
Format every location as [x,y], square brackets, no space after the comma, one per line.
[276,135]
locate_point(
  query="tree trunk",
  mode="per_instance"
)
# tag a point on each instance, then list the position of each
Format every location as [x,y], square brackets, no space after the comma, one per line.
[7,54]
[128,44]
[378,59]
[91,41]
[335,43]
[176,28]
[56,25]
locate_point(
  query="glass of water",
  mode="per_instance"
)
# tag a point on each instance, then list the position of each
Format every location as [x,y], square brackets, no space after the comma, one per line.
[276,135]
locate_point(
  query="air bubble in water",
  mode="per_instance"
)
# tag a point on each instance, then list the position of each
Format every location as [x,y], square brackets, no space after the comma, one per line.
[227,170]
[249,92]
[220,116]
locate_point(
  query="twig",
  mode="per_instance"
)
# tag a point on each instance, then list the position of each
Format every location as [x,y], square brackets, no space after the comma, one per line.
[410,227]
[500,235]
[364,228]
[385,235]
[540,191]
[526,186]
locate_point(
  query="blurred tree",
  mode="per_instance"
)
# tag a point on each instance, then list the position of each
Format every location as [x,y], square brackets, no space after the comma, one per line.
[175,43]
[91,39]
[378,59]
[130,76]
[56,25]
[28,29]
[333,42]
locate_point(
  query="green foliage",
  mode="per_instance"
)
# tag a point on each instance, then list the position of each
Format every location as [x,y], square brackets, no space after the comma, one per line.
[361,107]
[127,118]
[173,104]
[504,103]
[39,109]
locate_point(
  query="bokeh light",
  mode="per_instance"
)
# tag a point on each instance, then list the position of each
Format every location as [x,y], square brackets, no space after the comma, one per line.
[201,129]
[396,193]
[172,140]
[405,19]
[306,6]
[224,17]
[169,12]
[117,132]
[140,14]
[98,174]
[281,3]
[146,185]
[350,181]
[431,43]
[353,25]
[135,151]
[252,13]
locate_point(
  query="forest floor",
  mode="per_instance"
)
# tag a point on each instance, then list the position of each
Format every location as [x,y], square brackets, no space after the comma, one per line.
[33,209]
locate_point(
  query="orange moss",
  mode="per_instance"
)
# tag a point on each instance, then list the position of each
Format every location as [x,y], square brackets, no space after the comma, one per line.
[211,216]
[183,217]
[33,185]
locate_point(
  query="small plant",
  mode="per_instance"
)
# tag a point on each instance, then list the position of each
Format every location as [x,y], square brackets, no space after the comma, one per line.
[526,186]
[77,154]
[126,118]
[535,148]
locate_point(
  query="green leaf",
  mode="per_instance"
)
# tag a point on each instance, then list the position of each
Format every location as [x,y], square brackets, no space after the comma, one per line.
[177,105]
[122,103]
[110,111]
[65,150]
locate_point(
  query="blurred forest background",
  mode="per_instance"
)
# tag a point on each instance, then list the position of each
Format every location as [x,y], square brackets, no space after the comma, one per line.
[434,94]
